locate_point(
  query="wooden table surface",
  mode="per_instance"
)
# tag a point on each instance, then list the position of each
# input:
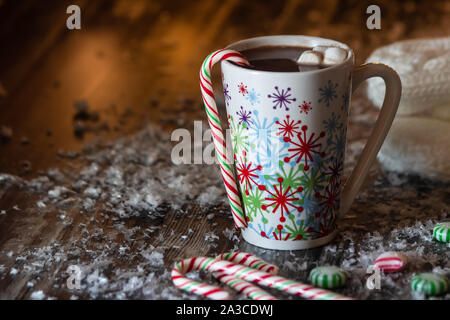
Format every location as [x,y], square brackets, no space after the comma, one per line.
[136,64]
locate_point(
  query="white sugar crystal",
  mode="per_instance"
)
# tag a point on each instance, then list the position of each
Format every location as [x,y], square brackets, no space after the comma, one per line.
[92,192]
[211,237]
[58,191]
[41,204]
[38,295]
[154,258]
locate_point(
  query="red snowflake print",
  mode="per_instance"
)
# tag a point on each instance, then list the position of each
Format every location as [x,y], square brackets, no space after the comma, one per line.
[242,89]
[279,235]
[246,174]
[281,198]
[305,107]
[329,199]
[288,128]
[334,171]
[263,234]
[324,229]
[305,148]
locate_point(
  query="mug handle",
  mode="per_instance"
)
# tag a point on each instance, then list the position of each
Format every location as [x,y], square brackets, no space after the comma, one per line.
[380,131]
[226,166]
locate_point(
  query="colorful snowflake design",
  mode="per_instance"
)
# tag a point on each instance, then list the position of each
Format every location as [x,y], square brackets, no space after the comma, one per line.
[305,147]
[253,202]
[289,174]
[281,234]
[268,146]
[226,94]
[242,89]
[336,143]
[288,127]
[312,182]
[282,198]
[305,107]
[291,178]
[281,98]
[253,97]
[334,171]
[244,116]
[328,93]
[297,229]
[263,230]
[239,136]
[332,124]
[246,173]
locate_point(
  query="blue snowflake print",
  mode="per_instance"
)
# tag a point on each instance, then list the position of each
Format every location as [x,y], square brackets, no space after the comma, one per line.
[310,207]
[266,178]
[281,98]
[336,144]
[253,97]
[332,124]
[263,230]
[244,116]
[226,93]
[269,156]
[328,93]
[263,133]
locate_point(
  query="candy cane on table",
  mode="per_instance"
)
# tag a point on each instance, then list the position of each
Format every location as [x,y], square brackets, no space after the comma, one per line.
[244,273]
[241,286]
[216,130]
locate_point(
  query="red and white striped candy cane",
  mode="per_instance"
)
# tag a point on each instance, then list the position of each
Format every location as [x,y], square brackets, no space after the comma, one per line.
[226,166]
[250,290]
[244,273]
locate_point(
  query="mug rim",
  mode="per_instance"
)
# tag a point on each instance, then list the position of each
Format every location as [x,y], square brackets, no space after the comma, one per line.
[288,40]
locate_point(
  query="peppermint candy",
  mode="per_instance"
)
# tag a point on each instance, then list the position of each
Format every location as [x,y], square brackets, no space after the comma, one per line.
[238,270]
[391,261]
[441,232]
[328,277]
[431,284]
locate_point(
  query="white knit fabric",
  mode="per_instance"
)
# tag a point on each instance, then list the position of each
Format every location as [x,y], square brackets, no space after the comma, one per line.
[419,140]
[424,68]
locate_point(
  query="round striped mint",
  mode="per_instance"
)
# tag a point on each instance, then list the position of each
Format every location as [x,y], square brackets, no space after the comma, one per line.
[328,277]
[391,261]
[431,284]
[441,232]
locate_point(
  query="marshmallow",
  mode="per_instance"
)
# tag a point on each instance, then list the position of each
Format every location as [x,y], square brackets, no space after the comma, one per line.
[320,49]
[310,58]
[334,55]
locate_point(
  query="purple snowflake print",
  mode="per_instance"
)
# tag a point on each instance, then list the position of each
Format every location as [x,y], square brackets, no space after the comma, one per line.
[281,98]
[244,116]
[226,93]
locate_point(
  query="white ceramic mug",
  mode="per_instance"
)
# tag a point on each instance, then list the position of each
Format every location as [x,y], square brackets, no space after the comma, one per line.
[288,131]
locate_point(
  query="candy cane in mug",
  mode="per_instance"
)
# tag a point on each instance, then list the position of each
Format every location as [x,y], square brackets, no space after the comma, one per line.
[216,130]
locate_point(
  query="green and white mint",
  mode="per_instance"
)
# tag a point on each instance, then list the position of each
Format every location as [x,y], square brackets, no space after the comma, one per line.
[328,277]
[431,284]
[441,232]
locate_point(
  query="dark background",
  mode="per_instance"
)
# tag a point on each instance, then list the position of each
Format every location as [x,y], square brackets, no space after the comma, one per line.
[129,53]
